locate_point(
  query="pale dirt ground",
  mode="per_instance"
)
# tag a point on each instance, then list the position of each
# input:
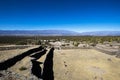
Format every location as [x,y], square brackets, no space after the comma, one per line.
[4,55]
[73,64]
[85,64]
[25,62]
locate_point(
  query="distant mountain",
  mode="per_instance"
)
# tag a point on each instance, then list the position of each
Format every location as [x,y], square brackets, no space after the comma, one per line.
[37,33]
[56,33]
[102,33]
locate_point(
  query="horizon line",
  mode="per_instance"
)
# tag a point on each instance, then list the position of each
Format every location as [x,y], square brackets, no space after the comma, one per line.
[58,30]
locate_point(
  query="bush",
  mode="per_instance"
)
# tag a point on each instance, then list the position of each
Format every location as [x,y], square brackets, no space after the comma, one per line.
[21,43]
[111,45]
[93,44]
[76,44]
[22,68]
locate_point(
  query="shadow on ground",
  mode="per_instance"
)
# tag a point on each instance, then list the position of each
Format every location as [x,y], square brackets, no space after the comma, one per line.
[48,73]
[36,70]
[12,61]
[39,54]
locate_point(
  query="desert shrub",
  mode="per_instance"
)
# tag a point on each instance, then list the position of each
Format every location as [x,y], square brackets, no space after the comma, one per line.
[93,44]
[21,43]
[63,45]
[39,42]
[111,45]
[76,44]
[22,68]
[38,39]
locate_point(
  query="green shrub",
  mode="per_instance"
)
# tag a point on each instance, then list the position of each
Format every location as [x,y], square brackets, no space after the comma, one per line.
[22,68]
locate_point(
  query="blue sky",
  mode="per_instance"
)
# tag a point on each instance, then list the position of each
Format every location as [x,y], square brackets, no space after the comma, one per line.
[74,15]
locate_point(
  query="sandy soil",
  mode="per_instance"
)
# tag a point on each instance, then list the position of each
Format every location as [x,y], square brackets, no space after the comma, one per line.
[73,64]
[6,54]
[85,64]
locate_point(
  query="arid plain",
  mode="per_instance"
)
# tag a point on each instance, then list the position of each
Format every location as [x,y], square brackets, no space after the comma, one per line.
[70,64]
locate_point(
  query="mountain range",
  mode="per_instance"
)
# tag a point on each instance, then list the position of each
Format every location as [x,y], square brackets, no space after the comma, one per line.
[56,33]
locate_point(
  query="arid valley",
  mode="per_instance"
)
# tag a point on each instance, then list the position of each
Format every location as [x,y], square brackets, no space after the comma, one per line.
[59,39]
